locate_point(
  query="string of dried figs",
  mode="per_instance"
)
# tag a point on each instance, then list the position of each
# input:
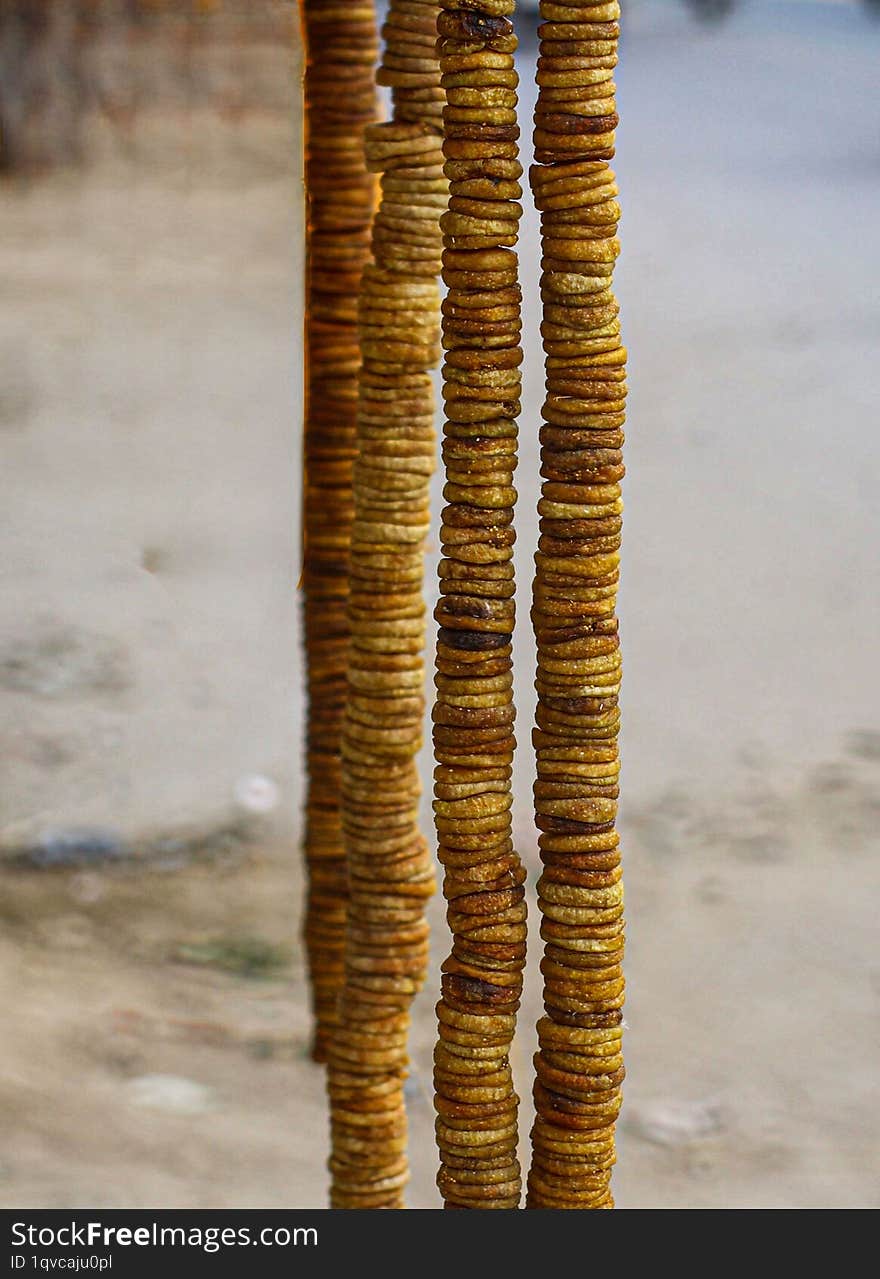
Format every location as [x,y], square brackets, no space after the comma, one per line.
[579,1063]
[473,713]
[340,99]
[389,868]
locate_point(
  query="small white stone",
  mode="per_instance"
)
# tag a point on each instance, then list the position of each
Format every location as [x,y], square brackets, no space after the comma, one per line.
[170,1093]
[256,793]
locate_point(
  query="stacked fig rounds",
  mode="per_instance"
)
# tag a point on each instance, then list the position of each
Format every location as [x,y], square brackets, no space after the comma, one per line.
[340,100]
[579,1063]
[390,871]
[474,714]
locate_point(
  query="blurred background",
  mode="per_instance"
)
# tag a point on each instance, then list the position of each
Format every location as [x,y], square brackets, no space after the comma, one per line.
[153,1047]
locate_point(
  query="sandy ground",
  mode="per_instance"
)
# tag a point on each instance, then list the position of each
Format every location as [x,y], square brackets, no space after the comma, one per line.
[154,1028]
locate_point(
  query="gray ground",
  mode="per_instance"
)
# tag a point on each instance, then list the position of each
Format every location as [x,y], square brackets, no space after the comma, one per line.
[148,645]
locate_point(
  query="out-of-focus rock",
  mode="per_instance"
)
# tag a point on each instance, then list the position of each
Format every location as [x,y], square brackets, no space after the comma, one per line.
[57,660]
[59,848]
[674,1122]
[170,1093]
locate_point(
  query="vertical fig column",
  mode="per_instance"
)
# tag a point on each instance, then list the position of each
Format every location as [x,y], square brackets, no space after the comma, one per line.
[389,868]
[579,1063]
[473,713]
[340,100]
